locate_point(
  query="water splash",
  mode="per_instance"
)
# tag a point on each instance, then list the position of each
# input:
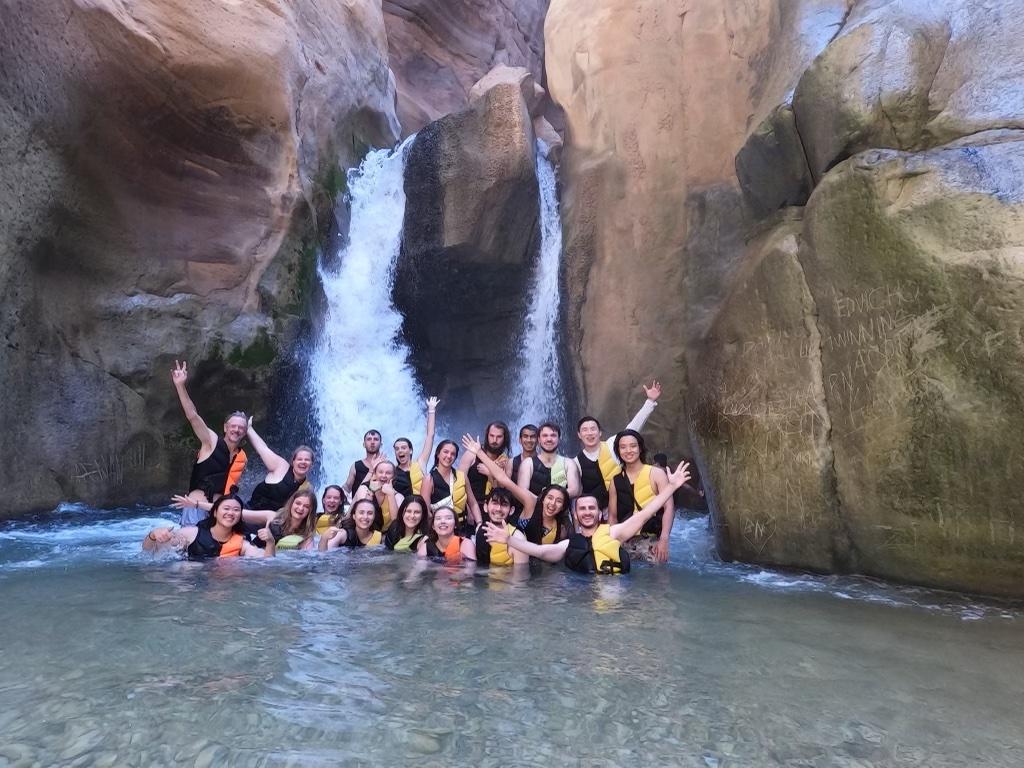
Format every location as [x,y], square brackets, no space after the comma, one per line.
[359,368]
[541,394]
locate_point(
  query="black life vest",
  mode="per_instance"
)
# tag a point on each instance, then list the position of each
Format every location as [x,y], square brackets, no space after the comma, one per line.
[212,474]
[497,554]
[274,495]
[204,546]
[591,480]
[361,472]
[599,553]
[630,498]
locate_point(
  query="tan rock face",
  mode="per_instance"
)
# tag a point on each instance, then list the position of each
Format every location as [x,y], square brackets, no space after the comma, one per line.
[440,48]
[162,168]
[467,248]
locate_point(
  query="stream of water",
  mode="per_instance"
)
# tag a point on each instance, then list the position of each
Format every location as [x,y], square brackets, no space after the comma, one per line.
[111,657]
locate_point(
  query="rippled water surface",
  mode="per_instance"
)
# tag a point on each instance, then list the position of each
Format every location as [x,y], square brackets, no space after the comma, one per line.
[108,657]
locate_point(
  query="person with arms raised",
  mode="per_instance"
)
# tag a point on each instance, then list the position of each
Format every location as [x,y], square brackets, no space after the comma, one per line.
[446,486]
[220,461]
[410,470]
[496,446]
[596,547]
[596,461]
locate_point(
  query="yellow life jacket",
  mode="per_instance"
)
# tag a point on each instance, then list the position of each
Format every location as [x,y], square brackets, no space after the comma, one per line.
[385,511]
[643,489]
[291,541]
[323,522]
[415,477]
[500,553]
[549,537]
[600,553]
[607,464]
[375,539]
[459,493]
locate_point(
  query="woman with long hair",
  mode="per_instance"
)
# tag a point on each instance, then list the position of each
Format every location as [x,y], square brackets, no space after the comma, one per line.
[219,535]
[410,526]
[332,509]
[446,486]
[363,529]
[443,543]
[632,489]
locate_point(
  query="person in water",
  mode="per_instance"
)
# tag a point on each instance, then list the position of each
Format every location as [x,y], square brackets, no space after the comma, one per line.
[409,471]
[220,534]
[551,525]
[293,527]
[410,527]
[380,490]
[446,486]
[443,542]
[332,508]
[548,467]
[497,445]
[220,461]
[596,462]
[361,468]
[527,447]
[363,529]
[596,547]
[283,477]
[632,489]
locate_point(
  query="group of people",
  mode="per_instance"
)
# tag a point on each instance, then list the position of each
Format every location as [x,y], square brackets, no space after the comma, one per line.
[594,511]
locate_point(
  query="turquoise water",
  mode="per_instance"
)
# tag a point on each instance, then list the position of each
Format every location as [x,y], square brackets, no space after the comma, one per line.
[112,658]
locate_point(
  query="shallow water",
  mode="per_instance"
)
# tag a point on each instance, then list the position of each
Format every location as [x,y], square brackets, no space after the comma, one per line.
[110,657]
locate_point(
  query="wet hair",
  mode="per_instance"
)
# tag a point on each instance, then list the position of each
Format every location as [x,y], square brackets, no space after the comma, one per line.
[437,451]
[584,420]
[532,427]
[302,448]
[506,438]
[307,527]
[337,516]
[432,534]
[371,432]
[661,460]
[500,495]
[639,441]
[550,425]
[405,440]
[210,520]
[236,415]
[562,521]
[396,530]
[378,516]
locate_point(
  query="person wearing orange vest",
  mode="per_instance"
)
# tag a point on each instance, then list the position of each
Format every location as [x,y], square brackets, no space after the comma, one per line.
[219,535]
[596,461]
[220,461]
[443,542]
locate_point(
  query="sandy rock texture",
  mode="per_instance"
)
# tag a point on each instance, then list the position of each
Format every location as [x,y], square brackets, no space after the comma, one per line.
[440,48]
[855,362]
[164,165]
[469,242]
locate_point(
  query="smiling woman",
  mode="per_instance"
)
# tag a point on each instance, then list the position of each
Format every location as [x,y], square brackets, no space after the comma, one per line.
[219,535]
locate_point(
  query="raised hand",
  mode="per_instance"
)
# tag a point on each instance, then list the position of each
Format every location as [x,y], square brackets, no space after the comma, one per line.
[182,502]
[495,534]
[680,475]
[265,533]
[653,392]
[180,373]
[471,445]
[387,488]
[432,403]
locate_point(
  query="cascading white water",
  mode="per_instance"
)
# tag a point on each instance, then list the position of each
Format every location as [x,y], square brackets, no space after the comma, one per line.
[359,367]
[540,396]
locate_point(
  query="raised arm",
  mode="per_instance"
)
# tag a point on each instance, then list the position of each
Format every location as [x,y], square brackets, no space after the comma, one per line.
[572,478]
[206,435]
[276,465]
[653,392]
[629,528]
[499,476]
[550,553]
[428,438]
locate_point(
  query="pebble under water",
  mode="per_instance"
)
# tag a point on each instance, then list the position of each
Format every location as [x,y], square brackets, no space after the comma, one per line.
[111,657]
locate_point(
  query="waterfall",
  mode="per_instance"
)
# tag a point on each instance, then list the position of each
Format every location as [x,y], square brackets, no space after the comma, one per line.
[359,367]
[541,395]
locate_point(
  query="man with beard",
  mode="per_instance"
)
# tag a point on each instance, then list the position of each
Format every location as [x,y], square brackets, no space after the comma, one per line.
[548,467]
[360,469]
[596,461]
[496,444]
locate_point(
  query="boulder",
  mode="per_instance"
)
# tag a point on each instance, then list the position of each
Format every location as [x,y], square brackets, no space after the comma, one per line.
[469,240]
[165,165]
[440,48]
[916,265]
[912,75]
[521,77]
